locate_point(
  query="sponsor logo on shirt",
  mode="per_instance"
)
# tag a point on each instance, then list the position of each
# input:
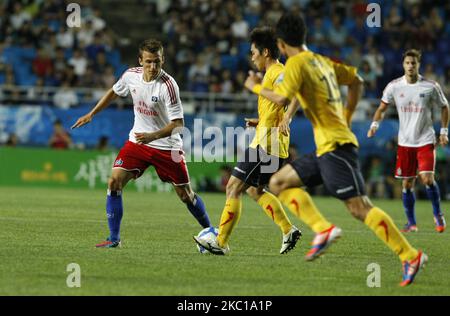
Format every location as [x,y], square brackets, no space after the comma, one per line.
[154,99]
[399,171]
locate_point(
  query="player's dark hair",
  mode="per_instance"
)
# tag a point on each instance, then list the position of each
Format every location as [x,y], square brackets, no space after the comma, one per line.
[264,37]
[413,53]
[150,45]
[291,28]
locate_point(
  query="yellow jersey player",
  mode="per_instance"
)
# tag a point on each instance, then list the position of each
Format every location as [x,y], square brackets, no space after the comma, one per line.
[314,80]
[263,158]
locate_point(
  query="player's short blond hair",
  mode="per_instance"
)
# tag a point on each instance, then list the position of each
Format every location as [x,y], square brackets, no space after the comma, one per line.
[413,53]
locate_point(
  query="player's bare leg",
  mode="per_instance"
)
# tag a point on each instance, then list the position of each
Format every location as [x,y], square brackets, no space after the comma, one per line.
[383,226]
[114,206]
[274,209]
[432,188]
[194,203]
[286,185]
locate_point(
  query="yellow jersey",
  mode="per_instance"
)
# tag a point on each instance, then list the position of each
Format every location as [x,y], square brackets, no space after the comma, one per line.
[314,80]
[270,115]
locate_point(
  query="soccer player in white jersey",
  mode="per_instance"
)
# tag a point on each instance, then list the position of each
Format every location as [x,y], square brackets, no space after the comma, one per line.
[152,141]
[414,96]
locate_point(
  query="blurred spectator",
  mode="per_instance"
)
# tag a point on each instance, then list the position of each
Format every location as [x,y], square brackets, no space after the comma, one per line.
[60,139]
[59,62]
[103,144]
[42,64]
[429,73]
[375,177]
[108,79]
[19,17]
[239,28]
[446,83]
[198,75]
[37,92]
[79,62]
[227,82]
[370,79]
[12,140]
[337,34]
[65,97]
[65,37]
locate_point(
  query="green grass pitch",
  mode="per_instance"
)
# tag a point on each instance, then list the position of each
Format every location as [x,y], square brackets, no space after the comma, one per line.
[43,230]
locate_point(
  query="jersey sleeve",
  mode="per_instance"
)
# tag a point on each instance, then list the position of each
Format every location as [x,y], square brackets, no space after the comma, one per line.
[289,83]
[388,94]
[345,74]
[439,97]
[121,87]
[172,100]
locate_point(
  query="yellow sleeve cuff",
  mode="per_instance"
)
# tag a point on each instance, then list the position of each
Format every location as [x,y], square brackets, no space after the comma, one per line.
[257,88]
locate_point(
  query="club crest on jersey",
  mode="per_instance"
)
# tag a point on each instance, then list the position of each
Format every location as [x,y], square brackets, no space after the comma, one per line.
[280,79]
[133,91]
[422,95]
[118,162]
[154,99]
[402,95]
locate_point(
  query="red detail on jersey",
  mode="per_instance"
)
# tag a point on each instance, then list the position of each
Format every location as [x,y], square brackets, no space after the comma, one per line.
[270,209]
[297,208]
[168,82]
[230,218]
[385,226]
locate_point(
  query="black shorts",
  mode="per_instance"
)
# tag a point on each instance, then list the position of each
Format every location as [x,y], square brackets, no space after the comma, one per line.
[257,167]
[338,170]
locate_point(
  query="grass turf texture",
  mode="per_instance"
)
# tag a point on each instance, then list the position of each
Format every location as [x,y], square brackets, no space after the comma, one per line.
[43,230]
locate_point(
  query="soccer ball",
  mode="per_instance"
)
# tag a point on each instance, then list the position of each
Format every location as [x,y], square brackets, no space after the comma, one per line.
[207,233]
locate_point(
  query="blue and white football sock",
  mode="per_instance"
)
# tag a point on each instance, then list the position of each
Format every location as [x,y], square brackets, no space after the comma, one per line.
[435,198]
[114,212]
[409,201]
[198,210]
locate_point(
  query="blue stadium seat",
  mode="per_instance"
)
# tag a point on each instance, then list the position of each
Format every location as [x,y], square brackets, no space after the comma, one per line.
[229,62]
[113,58]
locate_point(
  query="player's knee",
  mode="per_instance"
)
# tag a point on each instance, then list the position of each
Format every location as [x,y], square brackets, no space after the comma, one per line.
[408,184]
[114,183]
[234,189]
[276,185]
[184,197]
[254,193]
[359,207]
[427,179]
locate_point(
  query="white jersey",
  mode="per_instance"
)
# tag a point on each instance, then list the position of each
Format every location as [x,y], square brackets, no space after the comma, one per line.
[414,104]
[156,104]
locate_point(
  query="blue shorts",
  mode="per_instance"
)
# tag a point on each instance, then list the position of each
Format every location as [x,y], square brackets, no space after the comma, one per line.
[338,170]
[257,167]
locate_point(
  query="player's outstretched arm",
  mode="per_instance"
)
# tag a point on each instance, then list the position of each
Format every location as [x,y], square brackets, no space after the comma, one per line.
[355,91]
[253,83]
[377,118]
[443,135]
[287,118]
[145,138]
[103,103]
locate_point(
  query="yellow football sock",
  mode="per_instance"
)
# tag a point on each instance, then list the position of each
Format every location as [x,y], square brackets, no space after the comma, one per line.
[300,203]
[383,226]
[273,208]
[230,217]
